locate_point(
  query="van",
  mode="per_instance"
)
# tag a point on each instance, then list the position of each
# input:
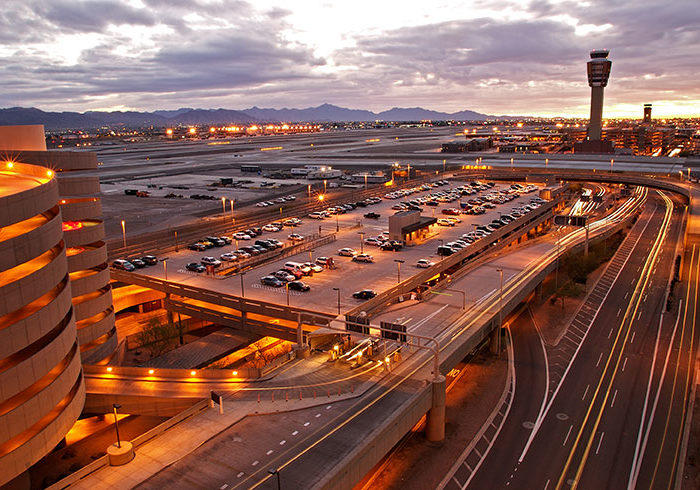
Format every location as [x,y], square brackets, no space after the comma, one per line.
[445,251]
[304,269]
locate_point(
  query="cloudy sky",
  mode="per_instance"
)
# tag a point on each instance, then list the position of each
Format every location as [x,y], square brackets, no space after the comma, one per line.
[497,57]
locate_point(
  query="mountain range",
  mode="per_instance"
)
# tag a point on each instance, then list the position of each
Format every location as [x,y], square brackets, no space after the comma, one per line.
[322,113]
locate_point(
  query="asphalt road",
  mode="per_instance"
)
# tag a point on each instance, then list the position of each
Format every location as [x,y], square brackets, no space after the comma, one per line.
[592,433]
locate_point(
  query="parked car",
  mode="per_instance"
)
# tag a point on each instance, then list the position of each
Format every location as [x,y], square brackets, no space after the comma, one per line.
[373,241]
[372,215]
[210,261]
[424,263]
[283,275]
[323,261]
[390,245]
[364,294]
[314,267]
[295,237]
[218,242]
[242,254]
[138,263]
[445,222]
[270,228]
[451,211]
[198,247]
[298,286]
[316,215]
[241,236]
[363,258]
[150,259]
[271,281]
[347,252]
[124,265]
[228,257]
[195,267]
[444,251]
[297,273]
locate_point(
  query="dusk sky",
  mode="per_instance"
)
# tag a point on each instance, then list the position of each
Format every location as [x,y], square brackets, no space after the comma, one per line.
[495,57]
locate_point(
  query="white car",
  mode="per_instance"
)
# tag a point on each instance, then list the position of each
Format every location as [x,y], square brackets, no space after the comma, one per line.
[271,228]
[347,252]
[316,215]
[373,241]
[424,263]
[262,204]
[210,261]
[445,222]
[295,237]
[241,236]
[363,258]
[228,257]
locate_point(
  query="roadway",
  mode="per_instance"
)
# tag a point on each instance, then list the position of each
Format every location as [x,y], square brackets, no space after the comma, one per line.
[605,423]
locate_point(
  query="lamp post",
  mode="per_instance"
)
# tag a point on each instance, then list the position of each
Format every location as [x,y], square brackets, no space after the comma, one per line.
[231,203]
[115,407]
[273,471]
[365,180]
[398,269]
[176,241]
[124,232]
[308,191]
[324,185]
[338,290]
[444,162]
[612,160]
[223,205]
[511,164]
[500,312]
[286,286]
[242,288]
[362,242]
[337,225]
[165,267]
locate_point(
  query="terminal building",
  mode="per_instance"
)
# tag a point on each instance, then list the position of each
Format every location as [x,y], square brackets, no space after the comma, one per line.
[56,308]
[316,172]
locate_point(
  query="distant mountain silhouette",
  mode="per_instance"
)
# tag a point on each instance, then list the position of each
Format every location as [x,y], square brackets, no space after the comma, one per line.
[322,113]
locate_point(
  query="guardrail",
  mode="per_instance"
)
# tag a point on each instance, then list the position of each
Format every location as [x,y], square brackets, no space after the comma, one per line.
[491,243]
[102,461]
[189,375]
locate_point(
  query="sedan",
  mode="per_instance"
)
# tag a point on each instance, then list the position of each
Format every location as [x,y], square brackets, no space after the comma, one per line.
[314,267]
[284,276]
[298,286]
[270,228]
[241,254]
[150,259]
[195,267]
[373,241]
[228,257]
[210,261]
[138,263]
[424,263]
[445,222]
[347,252]
[199,247]
[271,281]
[363,258]
[241,236]
[295,237]
[364,294]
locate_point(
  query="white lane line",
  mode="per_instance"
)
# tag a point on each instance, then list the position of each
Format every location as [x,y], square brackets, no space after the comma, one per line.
[328,407]
[240,474]
[611,331]
[585,392]
[295,432]
[612,403]
[599,358]
[567,435]
[626,294]
[624,364]
[283,442]
[270,452]
[317,415]
[645,297]
[640,315]
[599,441]
[224,486]
[255,463]
[546,485]
[632,339]
[428,318]
[618,312]
[306,424]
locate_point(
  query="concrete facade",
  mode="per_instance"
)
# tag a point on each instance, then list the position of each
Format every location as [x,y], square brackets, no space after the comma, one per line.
[41,384]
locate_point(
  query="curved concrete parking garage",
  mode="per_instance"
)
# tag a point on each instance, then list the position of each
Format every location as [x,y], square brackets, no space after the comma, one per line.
[41,385]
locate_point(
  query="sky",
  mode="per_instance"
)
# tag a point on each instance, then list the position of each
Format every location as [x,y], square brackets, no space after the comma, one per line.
[504,57]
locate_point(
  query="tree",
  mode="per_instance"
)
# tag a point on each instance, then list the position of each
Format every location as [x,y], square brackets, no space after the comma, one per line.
[157,336]
[569,290]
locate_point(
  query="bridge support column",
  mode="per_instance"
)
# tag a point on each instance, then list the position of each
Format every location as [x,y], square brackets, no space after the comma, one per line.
[493,340]
[435,419]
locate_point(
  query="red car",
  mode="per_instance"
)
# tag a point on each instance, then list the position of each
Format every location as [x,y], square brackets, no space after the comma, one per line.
[452,211]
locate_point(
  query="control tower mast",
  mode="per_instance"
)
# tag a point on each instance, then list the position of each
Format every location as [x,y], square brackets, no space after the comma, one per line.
[598,74]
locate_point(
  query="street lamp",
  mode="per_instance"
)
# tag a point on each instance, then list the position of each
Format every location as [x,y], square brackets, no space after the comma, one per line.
[324,185]
[365,180]
[500,312]
[286,286]
[115,407]
[612,160]
[273,471]
[337,226]
[231,202]
[165,267]
[362,242]
[242,288]
[398,269]
[338,290]
[308,191]
[124,232]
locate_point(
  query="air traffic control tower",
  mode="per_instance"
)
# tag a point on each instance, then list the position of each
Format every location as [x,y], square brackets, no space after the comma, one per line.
[598,73]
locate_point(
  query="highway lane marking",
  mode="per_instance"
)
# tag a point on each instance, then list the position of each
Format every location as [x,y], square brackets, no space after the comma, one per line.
[240,474]
[610,334]
[283,442]
[428,318]
[295,432]
[626,294]
[255,463]
[568,433]
[328,407]
[612,403]
[632,339]
[585,392]
[599,441]
[624,364]
[599,359]
[640,315]
[306,424]
[224,486]
[546,485]
[618,313]
[317,415]
[270,452]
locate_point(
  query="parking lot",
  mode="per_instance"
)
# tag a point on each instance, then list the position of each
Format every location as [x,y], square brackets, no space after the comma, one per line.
[348,276]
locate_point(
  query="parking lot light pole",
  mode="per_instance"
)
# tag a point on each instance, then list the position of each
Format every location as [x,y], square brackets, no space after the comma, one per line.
[337,226]
[286,286]
[223,205]
[231,203]
[338,290]
[362,242]
[124,232]
[165,267]
[275,472]
[242,288]
[398,269]
[115,407]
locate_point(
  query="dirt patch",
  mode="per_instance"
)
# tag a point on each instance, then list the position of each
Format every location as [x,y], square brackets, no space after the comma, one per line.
[469,403]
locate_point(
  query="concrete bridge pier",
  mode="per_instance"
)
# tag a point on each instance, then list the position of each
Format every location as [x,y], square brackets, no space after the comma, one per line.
[435,418]
[494,344]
